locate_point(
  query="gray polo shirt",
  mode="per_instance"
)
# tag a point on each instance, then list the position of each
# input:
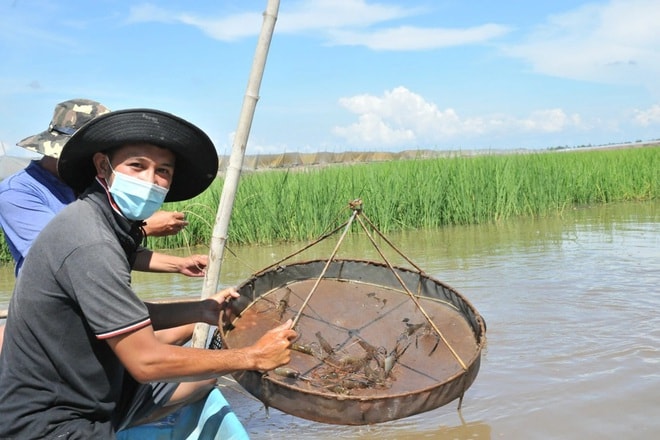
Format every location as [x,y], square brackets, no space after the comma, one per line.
[57,373]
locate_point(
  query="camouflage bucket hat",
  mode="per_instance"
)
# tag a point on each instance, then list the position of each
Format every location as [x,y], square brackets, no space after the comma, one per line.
[68,117]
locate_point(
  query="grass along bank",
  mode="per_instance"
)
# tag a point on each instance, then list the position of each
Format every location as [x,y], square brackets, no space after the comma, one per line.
[300,205]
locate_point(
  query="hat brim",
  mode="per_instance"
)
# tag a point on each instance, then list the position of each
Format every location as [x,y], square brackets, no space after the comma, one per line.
[47,143]
[196,158]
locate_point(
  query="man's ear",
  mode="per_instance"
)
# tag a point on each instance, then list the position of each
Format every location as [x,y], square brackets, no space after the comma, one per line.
[101,164]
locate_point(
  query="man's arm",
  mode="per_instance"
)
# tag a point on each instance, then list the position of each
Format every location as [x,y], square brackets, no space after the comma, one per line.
[178,313]
[163,223]
[149,360]
[149,261]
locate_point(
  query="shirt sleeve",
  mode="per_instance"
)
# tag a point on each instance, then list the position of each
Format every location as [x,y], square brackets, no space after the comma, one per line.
[22,216]
[98,277]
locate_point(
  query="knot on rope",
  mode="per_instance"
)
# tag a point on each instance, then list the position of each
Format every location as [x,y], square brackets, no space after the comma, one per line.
[356,205]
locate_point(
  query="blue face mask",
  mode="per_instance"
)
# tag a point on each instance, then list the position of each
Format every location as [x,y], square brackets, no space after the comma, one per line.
[136,198]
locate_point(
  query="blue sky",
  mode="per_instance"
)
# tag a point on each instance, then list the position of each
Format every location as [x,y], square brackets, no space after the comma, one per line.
[346,75]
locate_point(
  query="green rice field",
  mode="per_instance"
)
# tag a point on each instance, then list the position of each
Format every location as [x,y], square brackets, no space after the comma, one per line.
[300,204]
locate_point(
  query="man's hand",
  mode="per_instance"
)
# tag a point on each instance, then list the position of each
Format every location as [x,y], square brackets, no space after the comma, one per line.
[193,266]
[273,349]
[216,303]
[164,223]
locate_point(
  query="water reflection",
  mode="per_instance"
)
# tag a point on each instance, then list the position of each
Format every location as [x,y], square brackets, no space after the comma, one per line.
[573,330]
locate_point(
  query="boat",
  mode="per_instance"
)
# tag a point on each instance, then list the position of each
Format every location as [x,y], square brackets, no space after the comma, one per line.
[208,419]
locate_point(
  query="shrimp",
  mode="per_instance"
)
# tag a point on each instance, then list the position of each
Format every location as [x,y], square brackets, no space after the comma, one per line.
[324,344]
[284,303]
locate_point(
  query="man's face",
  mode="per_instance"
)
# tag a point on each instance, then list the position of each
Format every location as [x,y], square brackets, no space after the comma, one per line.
[143,161]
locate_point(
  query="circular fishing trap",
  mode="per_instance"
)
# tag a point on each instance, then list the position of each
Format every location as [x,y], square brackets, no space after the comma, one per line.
[375,342]
[365,352]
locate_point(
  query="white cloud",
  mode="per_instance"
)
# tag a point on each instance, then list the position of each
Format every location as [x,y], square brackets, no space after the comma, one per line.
[372,129]
[227,29]
[303,16]
[548,121]
[230,28]
[402,118]
[415,38]
[650,116]
[337,22]
[148,12]
[612,42]
[314,15]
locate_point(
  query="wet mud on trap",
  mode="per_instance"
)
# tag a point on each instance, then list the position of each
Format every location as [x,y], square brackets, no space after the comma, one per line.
[366,352]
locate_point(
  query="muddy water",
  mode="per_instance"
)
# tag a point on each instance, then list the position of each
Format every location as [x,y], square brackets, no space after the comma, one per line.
[571,304]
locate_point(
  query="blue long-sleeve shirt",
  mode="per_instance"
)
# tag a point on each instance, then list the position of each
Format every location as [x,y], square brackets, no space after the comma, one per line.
[29,199]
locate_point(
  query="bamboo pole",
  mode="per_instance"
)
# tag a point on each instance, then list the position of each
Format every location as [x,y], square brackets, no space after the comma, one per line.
[221,226]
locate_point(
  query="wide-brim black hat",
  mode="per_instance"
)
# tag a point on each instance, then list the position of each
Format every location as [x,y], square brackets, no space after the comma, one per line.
[196,158]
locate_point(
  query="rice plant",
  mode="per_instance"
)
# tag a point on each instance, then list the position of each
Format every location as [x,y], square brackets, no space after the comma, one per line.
[300,204]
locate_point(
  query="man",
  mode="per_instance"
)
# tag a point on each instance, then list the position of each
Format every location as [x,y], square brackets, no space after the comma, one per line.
[32,196]
[80,355]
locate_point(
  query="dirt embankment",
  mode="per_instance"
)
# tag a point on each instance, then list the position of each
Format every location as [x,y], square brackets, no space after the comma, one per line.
[321,159]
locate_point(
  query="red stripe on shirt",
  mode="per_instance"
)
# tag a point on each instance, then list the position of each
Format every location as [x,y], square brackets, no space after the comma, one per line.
[124,330]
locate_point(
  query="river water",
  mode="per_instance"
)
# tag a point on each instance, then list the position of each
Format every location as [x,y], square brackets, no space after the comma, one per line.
[572,306]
